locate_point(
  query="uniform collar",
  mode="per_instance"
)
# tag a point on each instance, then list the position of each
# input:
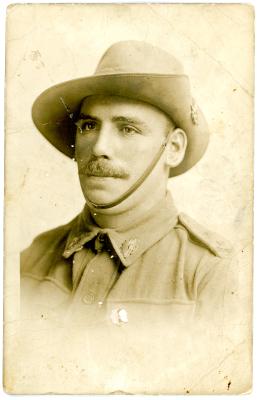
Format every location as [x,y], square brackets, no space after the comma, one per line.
[129,241]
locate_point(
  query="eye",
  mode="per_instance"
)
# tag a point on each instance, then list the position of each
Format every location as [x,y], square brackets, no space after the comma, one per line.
[129,130]
[86,125]
[89,125]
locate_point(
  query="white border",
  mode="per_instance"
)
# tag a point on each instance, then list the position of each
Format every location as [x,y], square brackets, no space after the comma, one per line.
[255,393]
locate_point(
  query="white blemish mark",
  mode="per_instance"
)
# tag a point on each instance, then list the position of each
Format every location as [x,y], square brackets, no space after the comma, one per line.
[119,316]
[123,316]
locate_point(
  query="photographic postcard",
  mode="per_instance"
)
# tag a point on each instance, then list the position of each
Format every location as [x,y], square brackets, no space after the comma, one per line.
[129,198]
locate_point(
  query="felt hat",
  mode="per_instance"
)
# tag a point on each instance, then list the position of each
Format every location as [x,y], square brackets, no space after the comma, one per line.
[132,69]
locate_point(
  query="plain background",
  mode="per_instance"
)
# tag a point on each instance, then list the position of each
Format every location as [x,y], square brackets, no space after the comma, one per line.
[221,185]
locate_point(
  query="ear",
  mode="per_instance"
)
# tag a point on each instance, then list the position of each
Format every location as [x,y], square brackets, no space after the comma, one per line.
[176,147]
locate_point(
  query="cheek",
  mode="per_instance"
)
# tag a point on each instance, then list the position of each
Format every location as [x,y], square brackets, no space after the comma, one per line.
[143,153]
[132,156]
[137,159]
[82,149]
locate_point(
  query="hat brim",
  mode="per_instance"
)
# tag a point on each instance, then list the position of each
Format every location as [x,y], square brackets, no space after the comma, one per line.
[53,110]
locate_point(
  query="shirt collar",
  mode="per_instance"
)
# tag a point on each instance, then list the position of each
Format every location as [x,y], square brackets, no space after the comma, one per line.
[129,241]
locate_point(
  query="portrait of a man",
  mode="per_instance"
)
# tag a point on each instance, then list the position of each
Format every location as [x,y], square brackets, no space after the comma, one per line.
[135,125]
[130,284]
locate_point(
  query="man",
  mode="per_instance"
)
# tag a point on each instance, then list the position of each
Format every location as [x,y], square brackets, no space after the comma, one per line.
[128,258]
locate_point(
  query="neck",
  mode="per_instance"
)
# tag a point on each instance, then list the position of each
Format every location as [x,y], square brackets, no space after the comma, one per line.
[118,216]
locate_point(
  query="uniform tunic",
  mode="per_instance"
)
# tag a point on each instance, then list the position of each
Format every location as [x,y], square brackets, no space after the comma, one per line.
[134,309]
[161,267]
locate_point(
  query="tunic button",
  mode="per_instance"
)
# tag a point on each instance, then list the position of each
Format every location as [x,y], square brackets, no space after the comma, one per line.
[88,298]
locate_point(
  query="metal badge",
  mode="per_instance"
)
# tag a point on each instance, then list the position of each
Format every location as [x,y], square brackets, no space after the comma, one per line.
[128,247]
[73,243]
[194,114]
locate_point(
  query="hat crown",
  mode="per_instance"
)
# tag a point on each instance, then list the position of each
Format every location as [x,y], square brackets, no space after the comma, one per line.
[137,57]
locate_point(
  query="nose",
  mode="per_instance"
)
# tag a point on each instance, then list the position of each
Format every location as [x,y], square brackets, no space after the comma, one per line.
[104,142]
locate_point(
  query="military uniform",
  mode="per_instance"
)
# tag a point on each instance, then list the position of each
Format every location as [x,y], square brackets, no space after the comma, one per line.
[162,266]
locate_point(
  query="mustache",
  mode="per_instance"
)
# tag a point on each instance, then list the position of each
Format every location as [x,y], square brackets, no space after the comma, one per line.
[101,167]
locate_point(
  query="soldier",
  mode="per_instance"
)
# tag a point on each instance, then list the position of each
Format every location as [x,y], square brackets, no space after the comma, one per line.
[129,256]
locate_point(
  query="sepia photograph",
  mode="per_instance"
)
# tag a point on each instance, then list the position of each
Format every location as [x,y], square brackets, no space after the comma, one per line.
[129,199]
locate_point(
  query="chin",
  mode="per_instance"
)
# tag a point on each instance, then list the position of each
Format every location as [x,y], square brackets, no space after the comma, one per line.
[102,190]
[98,196]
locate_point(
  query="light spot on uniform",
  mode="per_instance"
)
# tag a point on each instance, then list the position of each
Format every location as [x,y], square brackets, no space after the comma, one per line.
[119,316]
[123,315]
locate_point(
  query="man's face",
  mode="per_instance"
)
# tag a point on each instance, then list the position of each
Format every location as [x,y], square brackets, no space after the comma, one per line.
[116,140]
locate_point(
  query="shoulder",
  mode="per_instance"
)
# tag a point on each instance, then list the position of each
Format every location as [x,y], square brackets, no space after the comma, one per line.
[203,239]
[206,258]
[44,248]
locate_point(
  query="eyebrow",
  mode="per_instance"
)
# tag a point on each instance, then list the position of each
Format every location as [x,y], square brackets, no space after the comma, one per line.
[87,116]
[119,118]
[129,120]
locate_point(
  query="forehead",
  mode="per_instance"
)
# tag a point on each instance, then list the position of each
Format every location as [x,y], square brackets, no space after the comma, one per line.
[104,106]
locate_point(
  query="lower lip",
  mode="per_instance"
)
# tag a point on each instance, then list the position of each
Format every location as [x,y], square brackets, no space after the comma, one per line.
[98,179]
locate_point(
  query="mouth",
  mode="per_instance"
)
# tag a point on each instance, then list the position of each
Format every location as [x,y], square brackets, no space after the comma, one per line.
[97,175]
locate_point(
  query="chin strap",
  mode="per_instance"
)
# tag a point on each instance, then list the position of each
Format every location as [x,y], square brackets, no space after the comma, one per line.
[135,185]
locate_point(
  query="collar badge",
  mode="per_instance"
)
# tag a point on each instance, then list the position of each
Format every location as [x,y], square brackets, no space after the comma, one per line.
[128,247]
